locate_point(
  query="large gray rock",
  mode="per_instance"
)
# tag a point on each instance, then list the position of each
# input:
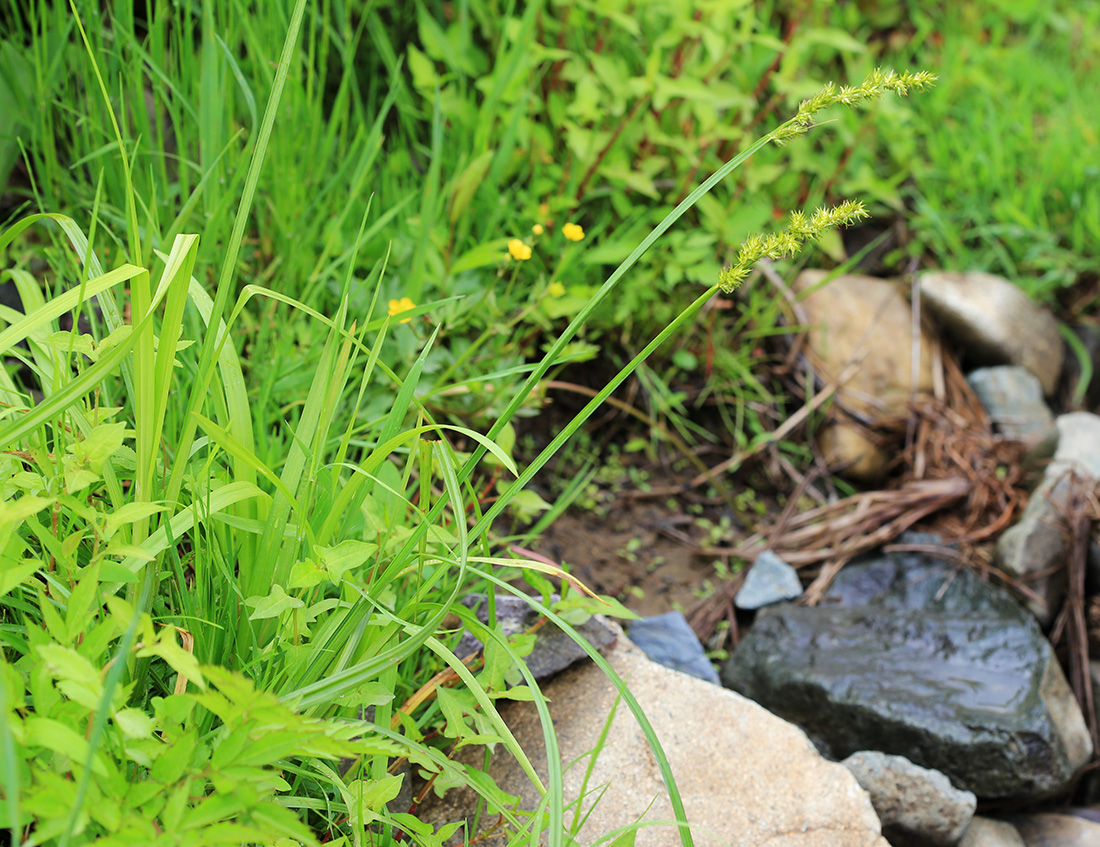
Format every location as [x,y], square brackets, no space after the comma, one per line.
[996,322]
[1034,549]
[965,684]
[1013,398]
[915,805]
[747,778]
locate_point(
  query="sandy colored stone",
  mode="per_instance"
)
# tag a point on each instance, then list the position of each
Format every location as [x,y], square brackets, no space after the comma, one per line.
[747,778]
[866,322]
[987,832]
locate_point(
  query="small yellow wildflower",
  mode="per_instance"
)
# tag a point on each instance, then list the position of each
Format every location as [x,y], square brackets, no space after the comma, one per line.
[537,229]
[520,251]
[555,289]
[402,305]
[574,232]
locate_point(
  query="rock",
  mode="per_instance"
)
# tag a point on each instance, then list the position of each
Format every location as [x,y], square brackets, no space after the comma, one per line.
[1078,444]
[996,322]
[967,684]
[1014,400]
[866,320]
[553,651]
[986,832]
[915,805]
[1034,549]
[1088,336]
[668,640]
[1051,830]
[746,777]
[769,580]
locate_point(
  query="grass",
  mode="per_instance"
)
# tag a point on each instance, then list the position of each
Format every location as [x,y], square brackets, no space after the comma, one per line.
[239,509]
[1006,179]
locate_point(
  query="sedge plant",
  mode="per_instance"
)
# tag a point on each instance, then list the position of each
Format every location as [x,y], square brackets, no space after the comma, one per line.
[211,633]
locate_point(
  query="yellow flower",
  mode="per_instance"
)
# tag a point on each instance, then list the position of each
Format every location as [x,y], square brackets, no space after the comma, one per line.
[519,250]
[402,305]
[537,229]
[574,232]
[555,289]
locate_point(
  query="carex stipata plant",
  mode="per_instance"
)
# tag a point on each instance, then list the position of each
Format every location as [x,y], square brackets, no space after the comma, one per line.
[319,575]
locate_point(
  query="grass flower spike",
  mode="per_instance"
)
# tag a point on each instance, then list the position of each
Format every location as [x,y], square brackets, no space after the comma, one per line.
[572,231]
[789,241]
[518,250]
[402,305]
[876,84]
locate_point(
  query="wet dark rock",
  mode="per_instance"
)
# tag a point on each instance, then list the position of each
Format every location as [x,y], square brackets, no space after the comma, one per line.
[554,651]
[1013,398]
[917,806]
[769,580]
[668,640]
[916,658]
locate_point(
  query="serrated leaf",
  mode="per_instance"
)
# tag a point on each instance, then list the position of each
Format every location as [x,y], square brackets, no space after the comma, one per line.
[77,678]
[134,723]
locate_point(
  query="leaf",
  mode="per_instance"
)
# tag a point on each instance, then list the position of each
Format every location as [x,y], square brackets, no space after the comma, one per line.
[373,795]
[305,575]
[128,513]
[77,678]
[274,604]
[344,556]
[468,182]
[13,574]
[17,511]
[134,723]
[62,739]
[452,706]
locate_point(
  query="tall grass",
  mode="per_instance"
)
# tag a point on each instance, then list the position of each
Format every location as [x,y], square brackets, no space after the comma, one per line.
[233,530]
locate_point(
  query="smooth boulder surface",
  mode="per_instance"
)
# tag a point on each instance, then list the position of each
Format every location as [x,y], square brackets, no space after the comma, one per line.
[863,322]
[669,640]
[996,322]
[917,658]
[987,832]
[747,778]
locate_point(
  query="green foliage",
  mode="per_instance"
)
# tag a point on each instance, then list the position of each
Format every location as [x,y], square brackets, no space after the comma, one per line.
[1008,176]
[275,442]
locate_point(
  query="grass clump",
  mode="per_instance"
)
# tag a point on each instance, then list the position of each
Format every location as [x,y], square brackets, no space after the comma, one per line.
[240,499]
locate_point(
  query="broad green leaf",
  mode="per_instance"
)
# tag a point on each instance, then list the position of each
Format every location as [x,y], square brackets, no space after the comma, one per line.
[273,605]
[341,558]
[15,573]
